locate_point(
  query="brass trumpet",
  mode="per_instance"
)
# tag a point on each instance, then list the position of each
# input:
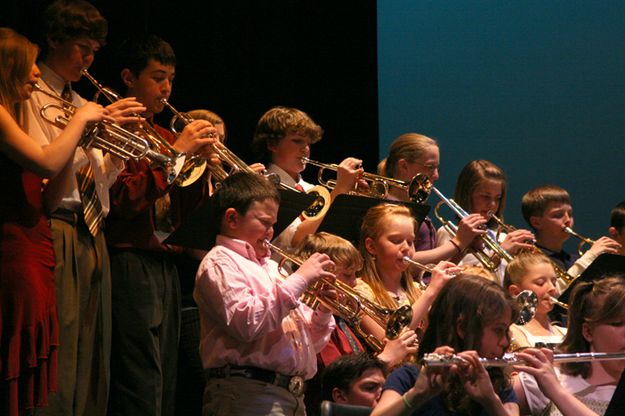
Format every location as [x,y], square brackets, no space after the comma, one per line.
[104,135]
[583,240]
[351,306]
[378,186]
[157,142]
[561,273]
[420,189]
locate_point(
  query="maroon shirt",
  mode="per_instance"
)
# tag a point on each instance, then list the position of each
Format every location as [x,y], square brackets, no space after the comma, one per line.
[131,221]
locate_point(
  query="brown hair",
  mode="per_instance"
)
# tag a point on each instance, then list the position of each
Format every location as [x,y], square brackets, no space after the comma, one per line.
[18,55]
[479,270]
[594,303]
[474,173]
[373,225]
[276,123]
[408,146]
[536,200]
[519,266]
[240,190]
[469,303]
[341,251]
[72,19]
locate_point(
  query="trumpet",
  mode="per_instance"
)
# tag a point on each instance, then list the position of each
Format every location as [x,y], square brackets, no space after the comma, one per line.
[350,305]
[420,189]
[583,240]
[508,359]
[106,136]
[560,272]
[157,142]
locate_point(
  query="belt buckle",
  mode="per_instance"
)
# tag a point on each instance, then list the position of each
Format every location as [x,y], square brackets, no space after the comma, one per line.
[297,385]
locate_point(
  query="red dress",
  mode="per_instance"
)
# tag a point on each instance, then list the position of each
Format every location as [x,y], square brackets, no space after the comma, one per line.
[28,322]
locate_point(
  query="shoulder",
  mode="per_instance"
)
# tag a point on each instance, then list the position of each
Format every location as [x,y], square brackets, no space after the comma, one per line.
[402,379]
[363,288]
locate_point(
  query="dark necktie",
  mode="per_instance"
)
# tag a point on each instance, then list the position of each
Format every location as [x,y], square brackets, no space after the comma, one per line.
[66,95]
[348,334]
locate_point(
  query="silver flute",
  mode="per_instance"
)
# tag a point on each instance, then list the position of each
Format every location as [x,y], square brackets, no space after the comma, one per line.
[446,360]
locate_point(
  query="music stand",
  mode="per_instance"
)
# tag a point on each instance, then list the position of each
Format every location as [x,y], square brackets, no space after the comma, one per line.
[201,227]
[604,265]
[345,215]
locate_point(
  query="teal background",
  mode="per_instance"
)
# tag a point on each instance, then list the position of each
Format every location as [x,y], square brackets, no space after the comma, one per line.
[537,87]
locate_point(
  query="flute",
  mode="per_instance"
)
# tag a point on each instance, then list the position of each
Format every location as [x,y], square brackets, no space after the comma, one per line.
[445,360]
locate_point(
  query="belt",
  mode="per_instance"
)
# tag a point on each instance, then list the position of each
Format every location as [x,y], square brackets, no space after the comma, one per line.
[294,384]
[69,216]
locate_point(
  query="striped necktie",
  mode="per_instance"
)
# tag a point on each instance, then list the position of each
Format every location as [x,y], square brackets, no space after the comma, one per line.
[91,206]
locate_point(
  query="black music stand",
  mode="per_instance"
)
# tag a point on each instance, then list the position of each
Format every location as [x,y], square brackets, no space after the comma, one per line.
[617,403]
[345,215]
[604,265]
[201,227]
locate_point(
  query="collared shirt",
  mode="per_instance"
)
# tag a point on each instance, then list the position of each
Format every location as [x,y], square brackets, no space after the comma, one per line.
[285,239]
[105,168]
[563,259]
[287,179]
[250,316]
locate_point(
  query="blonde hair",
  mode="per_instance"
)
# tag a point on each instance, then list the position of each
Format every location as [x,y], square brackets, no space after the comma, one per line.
[476,270]
[341,251]
[519,266]
[373,225]
[408,146]
[18,56]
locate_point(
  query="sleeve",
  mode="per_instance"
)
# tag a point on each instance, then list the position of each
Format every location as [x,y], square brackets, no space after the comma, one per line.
[442,236]
[244,305]
[321,326]
[137,188]
[582,263]
[402,379]
[363,289]
[536,400]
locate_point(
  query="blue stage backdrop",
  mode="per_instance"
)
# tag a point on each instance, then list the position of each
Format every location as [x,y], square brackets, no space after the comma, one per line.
[537,87]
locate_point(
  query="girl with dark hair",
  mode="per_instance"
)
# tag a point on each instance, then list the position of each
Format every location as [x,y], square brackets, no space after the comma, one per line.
[471,317]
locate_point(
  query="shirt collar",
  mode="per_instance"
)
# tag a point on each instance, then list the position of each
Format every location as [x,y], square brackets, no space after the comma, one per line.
[51,78]
[285,178]
[562,255]
[242,248]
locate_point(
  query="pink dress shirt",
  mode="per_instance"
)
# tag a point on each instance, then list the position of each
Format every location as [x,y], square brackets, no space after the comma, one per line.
[251,316]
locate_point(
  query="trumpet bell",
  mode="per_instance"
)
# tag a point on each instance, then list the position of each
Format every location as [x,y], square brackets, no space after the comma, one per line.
[191,171]
[419,188]
[527,302]
[320,206]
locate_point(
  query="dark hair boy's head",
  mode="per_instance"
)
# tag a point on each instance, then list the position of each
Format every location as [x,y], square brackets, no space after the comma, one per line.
[343,371]
[535,201]
[135,53]
[240,190]
[73,19]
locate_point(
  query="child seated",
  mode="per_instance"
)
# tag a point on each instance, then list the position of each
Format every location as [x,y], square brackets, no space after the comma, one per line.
[470,316]
[258,342]
[535,272]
